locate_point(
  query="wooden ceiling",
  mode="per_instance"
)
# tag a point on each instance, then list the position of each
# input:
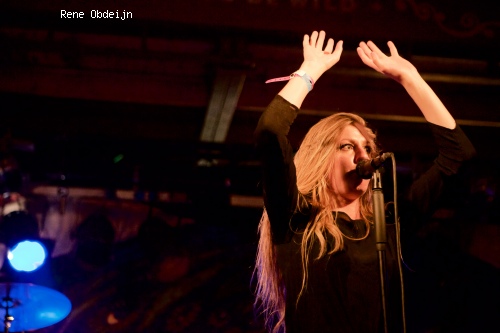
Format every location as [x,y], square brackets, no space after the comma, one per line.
[178,85]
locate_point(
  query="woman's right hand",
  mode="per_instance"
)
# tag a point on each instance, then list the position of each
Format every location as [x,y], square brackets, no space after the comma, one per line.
[317,59]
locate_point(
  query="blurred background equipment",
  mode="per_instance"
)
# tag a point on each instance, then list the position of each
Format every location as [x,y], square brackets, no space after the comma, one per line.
[27,307]
[27,301]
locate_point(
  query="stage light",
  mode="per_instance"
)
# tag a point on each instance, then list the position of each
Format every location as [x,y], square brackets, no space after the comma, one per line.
[27,256]
[25,251]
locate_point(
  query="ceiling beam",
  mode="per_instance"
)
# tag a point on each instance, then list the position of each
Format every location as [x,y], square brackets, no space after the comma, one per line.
[222,105]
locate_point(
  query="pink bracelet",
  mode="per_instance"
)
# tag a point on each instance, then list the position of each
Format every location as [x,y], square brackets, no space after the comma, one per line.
[307,79]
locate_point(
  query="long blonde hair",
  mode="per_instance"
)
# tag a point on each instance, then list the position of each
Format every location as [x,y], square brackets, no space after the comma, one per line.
[313,162]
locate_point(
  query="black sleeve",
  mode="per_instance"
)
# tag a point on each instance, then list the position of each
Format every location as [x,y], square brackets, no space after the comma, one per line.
[278,169]
[454,149]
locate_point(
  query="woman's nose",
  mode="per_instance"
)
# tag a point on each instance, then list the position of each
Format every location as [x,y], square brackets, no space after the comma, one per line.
[361,154]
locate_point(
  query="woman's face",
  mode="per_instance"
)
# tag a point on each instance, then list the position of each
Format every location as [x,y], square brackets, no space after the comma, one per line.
[352,147]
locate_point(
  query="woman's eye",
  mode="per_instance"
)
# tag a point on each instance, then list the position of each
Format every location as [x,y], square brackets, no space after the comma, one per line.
[346,146]
[368,149]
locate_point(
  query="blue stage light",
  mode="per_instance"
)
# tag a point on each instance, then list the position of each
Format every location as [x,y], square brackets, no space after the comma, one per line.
[27,256]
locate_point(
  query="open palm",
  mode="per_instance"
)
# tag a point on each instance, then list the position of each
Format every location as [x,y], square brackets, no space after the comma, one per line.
[317,56]
[393,66]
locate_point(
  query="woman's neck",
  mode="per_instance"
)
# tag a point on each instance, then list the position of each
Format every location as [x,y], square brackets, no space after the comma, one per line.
[352,209]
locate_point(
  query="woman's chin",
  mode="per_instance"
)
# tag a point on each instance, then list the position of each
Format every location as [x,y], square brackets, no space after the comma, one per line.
[362,187]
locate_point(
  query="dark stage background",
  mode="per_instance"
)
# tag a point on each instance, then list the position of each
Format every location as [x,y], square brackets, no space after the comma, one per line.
[130,139]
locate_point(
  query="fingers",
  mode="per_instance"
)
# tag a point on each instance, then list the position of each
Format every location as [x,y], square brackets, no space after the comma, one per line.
[317,40]
[314,43]
[335,55]
[369,55]
[339,46]
[370,48]
[365,57]
[364,49]
[321,39]
[392,48]
[329,46]
[373,47]
[314,39]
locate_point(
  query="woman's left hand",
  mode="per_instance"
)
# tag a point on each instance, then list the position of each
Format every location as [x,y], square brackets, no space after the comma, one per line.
[393,66]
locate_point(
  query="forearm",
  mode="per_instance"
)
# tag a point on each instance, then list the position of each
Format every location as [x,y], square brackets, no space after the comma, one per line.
[295,91]
[428,102]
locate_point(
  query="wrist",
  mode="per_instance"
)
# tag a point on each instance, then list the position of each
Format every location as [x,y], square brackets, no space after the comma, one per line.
[302,74]
[409,78]
[412,81]
[308,80]
[312,69]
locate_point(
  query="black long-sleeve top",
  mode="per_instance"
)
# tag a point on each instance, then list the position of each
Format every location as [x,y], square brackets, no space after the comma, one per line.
[343,288]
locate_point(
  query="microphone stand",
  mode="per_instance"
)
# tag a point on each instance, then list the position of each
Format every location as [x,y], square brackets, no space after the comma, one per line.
[380,238]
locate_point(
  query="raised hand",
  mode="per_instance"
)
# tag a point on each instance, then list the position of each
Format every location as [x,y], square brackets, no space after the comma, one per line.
[393,66]
[407,75]
[317,59]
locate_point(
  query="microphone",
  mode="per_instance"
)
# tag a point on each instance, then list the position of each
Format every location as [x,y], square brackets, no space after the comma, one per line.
[365,168]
